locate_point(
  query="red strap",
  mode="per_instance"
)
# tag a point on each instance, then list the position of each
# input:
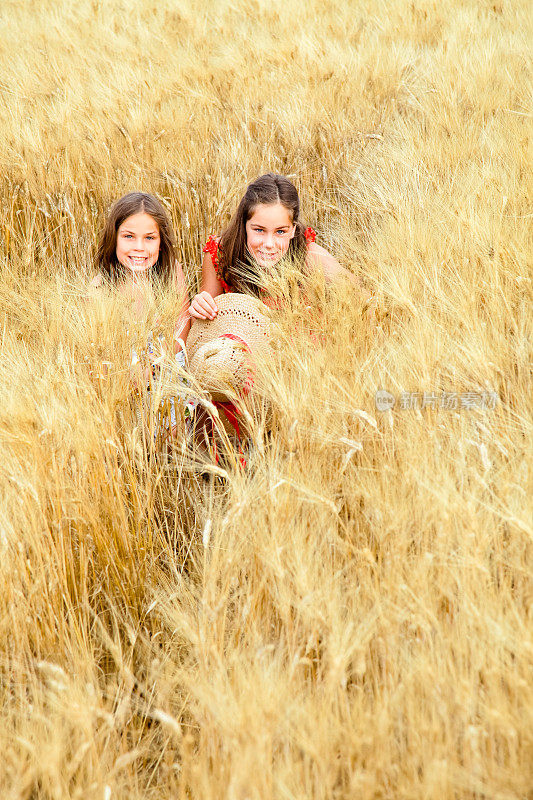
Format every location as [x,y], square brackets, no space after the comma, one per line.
[211,247]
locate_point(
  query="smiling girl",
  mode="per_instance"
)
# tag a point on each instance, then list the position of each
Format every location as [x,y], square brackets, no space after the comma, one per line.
[136,254]
[265,228]
[137,250]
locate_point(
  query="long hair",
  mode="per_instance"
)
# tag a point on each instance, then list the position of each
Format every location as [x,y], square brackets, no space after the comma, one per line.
[135,203]
[235,263]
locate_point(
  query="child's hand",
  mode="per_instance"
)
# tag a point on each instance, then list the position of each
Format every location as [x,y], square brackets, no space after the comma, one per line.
[203,306]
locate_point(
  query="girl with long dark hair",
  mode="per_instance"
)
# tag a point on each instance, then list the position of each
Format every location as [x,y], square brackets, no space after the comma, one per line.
[265,228]
[136,254]
[137,251]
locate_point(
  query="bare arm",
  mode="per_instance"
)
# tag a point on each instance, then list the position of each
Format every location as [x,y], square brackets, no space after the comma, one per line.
[184,320]
[203,305]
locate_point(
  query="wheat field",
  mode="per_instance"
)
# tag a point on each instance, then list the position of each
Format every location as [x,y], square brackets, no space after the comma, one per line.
[350,615]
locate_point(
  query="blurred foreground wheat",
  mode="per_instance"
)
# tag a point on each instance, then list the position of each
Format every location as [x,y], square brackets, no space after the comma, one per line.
[350,617]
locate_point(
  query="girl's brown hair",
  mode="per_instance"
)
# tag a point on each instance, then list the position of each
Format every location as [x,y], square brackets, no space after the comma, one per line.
[136,203]
[233,253]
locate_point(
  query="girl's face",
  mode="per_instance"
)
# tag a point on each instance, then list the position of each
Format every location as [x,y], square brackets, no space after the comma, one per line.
[269,232]
[138,243]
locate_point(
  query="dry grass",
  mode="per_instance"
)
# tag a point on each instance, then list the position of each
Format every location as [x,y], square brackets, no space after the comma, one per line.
[351,616]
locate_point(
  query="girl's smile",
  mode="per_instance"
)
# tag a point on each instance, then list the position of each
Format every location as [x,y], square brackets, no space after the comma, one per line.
[138,242]
[269,232]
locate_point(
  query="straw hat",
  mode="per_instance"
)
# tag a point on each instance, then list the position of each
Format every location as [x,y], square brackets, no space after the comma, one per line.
[222,351]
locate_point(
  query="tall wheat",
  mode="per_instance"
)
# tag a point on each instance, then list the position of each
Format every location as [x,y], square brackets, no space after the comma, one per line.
[350,616]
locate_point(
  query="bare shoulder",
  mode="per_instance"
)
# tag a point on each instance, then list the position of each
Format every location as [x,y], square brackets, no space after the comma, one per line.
[317,250]
[319,257]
